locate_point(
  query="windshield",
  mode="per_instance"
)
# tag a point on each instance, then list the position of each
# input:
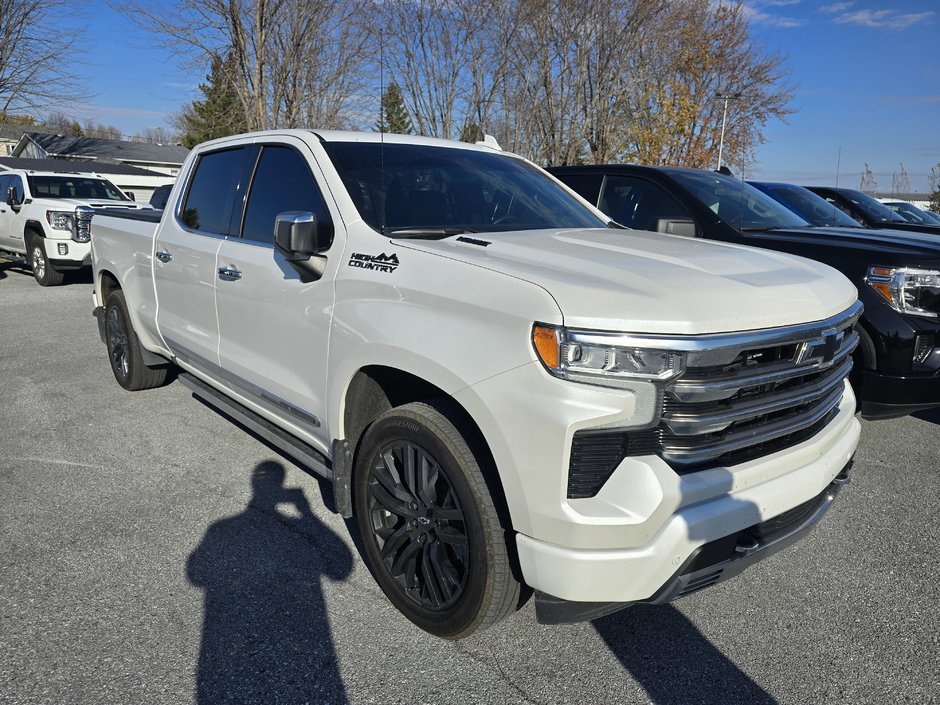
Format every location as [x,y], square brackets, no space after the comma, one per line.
[805,203]
[739,204]
[876,210]
[69,186]
[453,190]
[911,213]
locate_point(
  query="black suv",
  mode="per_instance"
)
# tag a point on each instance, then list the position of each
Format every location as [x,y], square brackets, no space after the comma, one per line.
[897,274]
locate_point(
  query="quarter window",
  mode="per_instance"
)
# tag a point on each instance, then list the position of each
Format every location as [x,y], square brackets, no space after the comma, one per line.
[282,183]
[212,192]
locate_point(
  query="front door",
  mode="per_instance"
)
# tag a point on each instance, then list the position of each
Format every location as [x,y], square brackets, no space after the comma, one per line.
[274,328]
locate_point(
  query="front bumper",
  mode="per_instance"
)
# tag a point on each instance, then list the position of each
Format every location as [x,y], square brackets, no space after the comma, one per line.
[628,541]
[885,396]
[712,563]
[68,254]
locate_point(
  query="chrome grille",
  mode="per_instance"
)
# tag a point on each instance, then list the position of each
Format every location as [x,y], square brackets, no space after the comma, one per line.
[740,392]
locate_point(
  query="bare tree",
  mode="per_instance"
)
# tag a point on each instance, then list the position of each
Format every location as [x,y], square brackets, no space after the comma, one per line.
[157,135]
[900,181]
[101,131]
[867,182]
[37,40]
[293,60]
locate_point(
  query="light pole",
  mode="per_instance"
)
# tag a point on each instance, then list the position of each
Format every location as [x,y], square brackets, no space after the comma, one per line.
[724,115]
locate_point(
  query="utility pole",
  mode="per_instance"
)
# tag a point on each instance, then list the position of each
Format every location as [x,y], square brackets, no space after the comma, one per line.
[724,116]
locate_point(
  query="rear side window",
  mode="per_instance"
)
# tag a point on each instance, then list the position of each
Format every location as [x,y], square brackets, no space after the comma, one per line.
[282,183]
[212,191]
[4,185]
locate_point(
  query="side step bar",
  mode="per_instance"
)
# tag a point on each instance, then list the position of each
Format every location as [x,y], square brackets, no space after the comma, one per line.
[305,454]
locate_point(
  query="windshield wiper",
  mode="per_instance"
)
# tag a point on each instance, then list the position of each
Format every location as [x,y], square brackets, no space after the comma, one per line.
[767,229]
[427,233]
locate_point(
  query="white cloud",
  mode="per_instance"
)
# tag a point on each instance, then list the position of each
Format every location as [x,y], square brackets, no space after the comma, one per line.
[883,19]
[753,14]
[837,7]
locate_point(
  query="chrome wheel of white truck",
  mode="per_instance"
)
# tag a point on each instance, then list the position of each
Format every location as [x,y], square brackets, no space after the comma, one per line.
[43,272]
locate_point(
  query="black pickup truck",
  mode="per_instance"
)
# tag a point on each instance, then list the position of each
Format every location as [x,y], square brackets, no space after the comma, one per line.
[897,274]
[869,212]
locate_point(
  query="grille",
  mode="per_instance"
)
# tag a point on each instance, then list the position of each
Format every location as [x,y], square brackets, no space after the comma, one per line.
[739,397]
[762,393]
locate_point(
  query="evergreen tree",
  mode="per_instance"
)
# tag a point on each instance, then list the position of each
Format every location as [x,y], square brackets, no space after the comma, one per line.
[395,116]
[471,132]
[220,113]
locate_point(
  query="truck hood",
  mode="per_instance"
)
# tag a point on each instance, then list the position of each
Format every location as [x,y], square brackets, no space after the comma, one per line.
[888,241]
[635,281]
[66,204]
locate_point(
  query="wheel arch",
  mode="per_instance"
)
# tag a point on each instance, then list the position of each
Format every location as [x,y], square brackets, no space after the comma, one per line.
[375,389]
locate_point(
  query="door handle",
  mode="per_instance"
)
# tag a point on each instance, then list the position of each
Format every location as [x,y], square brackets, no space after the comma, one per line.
[164,256]
[229,274]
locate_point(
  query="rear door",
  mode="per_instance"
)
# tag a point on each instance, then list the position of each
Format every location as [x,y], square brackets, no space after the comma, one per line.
[184,258]
[274,328]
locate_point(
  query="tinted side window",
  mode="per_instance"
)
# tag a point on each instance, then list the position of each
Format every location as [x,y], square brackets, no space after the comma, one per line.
[212,191]
[642,205]
[586,185]
[4,185]
[282,182]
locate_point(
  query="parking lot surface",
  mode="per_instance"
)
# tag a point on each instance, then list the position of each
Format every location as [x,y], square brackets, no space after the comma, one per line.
[151,551]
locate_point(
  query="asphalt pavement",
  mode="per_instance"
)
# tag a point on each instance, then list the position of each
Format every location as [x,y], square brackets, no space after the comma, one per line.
[151,551]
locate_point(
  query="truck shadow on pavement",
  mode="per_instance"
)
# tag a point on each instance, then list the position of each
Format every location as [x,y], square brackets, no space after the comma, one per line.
[673,661]
[266,635]
[931,416]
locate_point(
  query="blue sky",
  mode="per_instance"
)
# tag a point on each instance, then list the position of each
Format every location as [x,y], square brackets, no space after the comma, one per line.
[867,77]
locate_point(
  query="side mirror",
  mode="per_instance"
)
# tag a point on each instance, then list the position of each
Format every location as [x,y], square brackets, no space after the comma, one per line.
[12,200]
[296,235]
[676,226]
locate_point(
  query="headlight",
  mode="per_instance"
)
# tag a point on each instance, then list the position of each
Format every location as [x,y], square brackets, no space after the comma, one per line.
[593,358]
[912,291]
[61,220]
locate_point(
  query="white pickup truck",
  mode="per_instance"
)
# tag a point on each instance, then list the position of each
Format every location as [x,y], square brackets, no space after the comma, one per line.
[44,217]
[508,391]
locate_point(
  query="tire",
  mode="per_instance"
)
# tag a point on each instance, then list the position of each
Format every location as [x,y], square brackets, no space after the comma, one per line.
[430,532]
[124,351]
[44,273]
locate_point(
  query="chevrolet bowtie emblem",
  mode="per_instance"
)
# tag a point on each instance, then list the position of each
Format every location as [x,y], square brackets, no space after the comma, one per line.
[821,351]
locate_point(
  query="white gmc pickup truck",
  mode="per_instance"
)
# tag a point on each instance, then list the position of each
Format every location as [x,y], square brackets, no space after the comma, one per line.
[508,391]
[44,217]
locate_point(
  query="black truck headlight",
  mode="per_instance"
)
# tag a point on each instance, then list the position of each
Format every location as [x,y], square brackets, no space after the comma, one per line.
[907,290]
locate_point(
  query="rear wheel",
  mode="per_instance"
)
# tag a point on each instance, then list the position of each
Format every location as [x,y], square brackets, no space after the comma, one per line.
[430,531]
[124,350]
[43,271]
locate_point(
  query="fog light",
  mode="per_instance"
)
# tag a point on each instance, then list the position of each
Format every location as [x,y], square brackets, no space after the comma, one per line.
[926,356]
[63,248]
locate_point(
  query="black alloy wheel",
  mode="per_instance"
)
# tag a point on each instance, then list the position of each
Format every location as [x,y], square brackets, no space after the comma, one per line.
[431,535]
[418,525]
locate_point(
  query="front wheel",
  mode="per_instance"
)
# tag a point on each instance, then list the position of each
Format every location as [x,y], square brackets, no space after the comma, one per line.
[124,350]
[430,531]
[44,273]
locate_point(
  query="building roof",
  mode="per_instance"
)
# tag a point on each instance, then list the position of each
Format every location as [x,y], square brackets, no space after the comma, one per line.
[70,165]
[118,150]
[9,131]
